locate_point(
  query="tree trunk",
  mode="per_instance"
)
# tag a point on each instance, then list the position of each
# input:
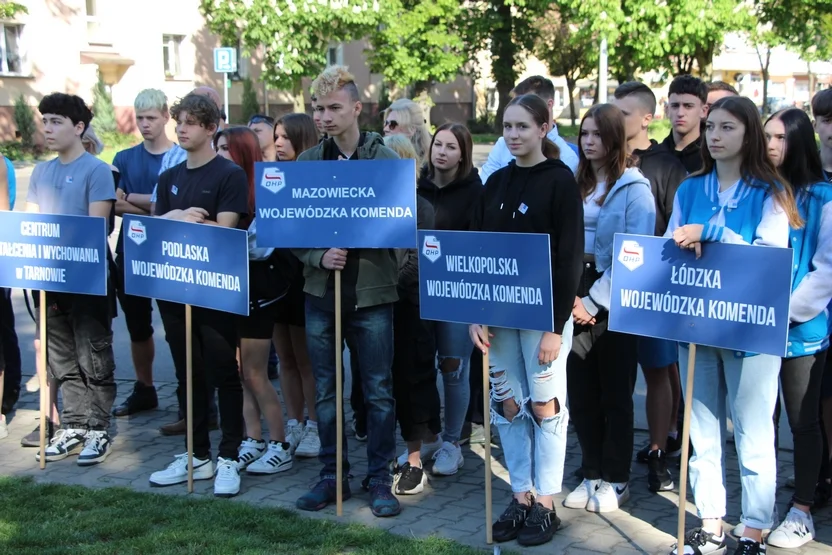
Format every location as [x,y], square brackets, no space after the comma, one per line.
[298,102]
[504,53]
[764,65]
[570,89]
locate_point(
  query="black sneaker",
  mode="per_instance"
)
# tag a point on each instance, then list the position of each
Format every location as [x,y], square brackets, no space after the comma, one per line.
[33,438]
[658,476]
[702,543]
[540,526]
[823,491]
[642,454]
[10,397]
[141,399]
[510,523]
[674,446]
[409,480]
[749,547]
[359,429]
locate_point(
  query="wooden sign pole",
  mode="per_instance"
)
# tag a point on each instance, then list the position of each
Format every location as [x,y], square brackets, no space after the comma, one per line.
[683,471]
[339,402]
[486,409]
[189,394]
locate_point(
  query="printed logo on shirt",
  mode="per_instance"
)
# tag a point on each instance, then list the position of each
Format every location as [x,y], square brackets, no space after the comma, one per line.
[69,179]
[631,255]
[137,232]
[523,208]
[431,248]
[273,180]
[174,189]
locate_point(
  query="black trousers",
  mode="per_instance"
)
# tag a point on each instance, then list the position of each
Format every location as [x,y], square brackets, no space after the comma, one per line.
[600,377]
[9,348]
[414,373]
[214,340]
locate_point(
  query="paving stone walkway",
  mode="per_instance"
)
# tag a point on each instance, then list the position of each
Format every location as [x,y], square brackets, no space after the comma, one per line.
[450,507]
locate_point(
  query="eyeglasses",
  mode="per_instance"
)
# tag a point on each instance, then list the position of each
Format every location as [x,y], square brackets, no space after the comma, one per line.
[391,124]
[259,118]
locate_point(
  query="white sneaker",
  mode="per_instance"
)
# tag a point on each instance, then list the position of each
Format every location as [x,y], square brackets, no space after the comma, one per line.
[427,452]
[66,442]
[250,450]
[227,482]
[798,529]
[447,460]
[310,444]
[177,471]
[96,448]
[579,496]
[294,435]
[608,497]
[4,431]
[275,459]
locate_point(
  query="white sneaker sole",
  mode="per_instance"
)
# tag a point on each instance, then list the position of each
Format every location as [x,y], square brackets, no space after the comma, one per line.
[172,481]
[61,456]
[270,470]
[575,503]
[419,488]
[447,471]
[593,508]
[93,460]
[307,453]
[227,493]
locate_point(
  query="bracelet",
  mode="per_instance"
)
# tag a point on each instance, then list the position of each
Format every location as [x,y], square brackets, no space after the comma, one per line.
[127,197]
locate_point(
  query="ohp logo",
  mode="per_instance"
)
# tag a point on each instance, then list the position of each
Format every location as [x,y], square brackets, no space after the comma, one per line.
[136,232]
[631,255]
[273,180]
[431,248]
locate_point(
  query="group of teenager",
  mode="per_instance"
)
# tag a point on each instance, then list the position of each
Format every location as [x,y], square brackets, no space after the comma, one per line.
[720,176]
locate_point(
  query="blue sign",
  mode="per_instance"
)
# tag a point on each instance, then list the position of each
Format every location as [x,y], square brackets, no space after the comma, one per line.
[360,204]
[182,262]
[51,252]
[734,297]
[494,279]
[225,60]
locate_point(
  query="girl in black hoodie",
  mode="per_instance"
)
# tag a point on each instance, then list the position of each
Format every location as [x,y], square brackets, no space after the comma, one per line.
[536,193]
[450,183]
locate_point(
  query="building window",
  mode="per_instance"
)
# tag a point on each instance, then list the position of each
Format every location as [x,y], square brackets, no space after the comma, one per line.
[96,32]
[171,46]
[335,55]
[11,49]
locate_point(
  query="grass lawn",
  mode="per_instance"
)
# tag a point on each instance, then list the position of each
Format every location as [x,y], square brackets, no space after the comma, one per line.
[44,519]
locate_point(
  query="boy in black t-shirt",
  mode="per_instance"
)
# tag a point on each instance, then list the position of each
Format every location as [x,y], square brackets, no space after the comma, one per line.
[686,108]
[211,190]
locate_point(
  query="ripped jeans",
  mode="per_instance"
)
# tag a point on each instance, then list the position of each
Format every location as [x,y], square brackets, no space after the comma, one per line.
[534,452]
[453,342]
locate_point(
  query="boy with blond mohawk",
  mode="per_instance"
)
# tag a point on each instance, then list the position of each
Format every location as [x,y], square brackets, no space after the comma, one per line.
[369,278]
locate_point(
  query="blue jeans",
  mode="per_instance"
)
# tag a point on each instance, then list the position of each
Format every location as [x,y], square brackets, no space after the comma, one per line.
[369,336]
[535,451]
[750,385]
[453,342]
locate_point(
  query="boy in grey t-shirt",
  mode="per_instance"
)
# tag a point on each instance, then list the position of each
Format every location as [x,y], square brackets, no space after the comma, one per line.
[79,327]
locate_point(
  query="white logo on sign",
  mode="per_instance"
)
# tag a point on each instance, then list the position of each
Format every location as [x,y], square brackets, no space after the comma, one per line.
[273,180]
[137,232]
[631,255]
[431,248]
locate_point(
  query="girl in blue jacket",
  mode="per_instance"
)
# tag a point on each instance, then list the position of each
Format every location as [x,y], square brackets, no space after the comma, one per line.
[791,147]
[738,197]
[601,370]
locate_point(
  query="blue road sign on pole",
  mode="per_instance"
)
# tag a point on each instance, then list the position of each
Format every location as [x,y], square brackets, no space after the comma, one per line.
[225,60]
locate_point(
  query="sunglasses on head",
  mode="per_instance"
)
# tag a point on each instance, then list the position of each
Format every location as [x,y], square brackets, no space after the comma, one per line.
[392,124]
[261,119]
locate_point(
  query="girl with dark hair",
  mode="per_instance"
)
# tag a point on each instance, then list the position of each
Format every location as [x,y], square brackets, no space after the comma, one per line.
[602,366]
[535,193]
[241,146]
[451,184]
[294,133]
[791,148]
[738,197]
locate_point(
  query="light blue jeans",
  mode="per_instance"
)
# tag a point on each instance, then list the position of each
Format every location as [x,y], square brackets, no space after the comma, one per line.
[750,385]
[453,342]
[534,452]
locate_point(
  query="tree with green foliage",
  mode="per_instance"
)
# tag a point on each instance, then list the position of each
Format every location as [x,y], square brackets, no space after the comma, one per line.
[507,28]
[24,120]
[294,36]
[418,43]
[567,49]
[11,9]
[250,104]
[102,108]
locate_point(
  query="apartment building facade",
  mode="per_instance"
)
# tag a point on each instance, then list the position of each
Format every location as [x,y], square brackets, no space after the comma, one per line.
[60,45]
